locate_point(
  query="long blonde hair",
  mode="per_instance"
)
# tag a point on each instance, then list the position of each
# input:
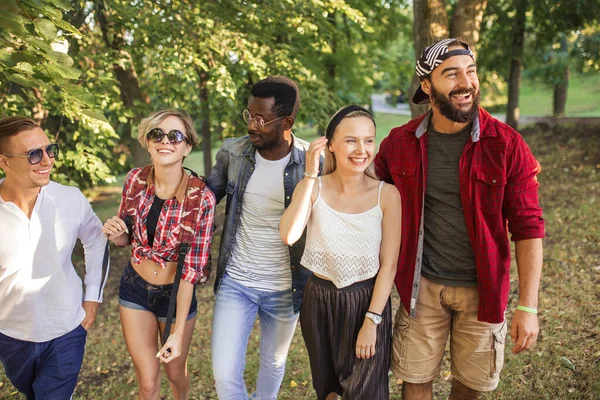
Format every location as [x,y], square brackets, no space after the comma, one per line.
[329,164]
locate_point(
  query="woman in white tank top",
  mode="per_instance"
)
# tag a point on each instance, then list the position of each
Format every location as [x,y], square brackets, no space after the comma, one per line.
[352,246]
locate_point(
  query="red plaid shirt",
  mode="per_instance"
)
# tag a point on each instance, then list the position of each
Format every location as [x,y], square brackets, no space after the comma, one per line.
[166,246]
[498,189]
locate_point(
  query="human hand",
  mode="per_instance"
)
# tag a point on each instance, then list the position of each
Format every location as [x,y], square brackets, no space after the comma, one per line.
[114,227]
[91,310]
[524,331]
[365,342]
[313,154]
[171,349]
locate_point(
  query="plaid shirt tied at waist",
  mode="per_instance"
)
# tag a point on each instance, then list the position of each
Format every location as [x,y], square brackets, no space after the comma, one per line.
[171,219]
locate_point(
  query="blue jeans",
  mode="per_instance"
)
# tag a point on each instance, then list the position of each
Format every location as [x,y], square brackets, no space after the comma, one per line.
[236,307]
[46,370]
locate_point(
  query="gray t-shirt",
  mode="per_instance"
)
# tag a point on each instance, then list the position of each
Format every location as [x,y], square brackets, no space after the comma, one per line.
[260,260]
[447,253]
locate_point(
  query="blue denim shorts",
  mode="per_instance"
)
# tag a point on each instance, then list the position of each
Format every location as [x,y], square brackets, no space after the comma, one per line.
[138,294]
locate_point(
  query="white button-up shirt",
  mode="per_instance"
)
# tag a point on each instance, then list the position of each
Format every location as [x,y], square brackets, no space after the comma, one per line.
[41,294]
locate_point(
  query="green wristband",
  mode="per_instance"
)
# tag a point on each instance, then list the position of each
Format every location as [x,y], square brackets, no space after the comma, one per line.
[527,309]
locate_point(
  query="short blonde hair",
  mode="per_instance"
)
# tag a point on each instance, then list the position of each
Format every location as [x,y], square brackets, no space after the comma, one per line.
[156,118]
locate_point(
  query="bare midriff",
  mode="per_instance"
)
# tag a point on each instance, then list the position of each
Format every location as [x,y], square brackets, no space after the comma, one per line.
[151,272]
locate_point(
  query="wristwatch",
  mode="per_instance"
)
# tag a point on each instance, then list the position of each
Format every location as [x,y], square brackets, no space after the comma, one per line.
[376,318]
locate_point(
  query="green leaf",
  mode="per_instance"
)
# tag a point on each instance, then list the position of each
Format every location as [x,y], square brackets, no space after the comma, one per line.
[95,115]
[59,58]
[46,28]
[15,25]
[62,71]
[64,4]
[64,59]
[35,42]
[6,57]
[51,12]
[24,68]
[24,56]
[567,363]
[79,93]
[67,27]
[24,81]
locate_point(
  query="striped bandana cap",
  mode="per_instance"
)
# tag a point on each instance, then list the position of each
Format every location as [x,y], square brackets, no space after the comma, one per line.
[433,56]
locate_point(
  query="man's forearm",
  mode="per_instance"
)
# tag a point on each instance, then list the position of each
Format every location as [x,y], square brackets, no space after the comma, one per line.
[529,256]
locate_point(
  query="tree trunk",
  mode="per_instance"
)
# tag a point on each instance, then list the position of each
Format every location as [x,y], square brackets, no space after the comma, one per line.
[430,25]
[128,85]
[205,132]
[466,21]
[560,94]
[514,80]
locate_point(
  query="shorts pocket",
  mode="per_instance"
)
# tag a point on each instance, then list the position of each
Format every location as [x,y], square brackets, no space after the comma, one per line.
[399,342]
[498,340]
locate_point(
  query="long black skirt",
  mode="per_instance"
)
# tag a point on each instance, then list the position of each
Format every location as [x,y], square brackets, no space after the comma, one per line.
[330,319]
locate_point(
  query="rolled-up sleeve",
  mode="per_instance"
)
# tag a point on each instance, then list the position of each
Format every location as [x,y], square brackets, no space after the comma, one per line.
[196,260]
[521,203]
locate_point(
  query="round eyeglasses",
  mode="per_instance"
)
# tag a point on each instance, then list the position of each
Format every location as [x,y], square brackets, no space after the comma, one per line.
[36,156]
[260,123]
[175,136]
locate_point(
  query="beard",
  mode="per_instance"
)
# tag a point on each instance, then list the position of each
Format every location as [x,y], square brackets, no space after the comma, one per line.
[267,142]
[448,110]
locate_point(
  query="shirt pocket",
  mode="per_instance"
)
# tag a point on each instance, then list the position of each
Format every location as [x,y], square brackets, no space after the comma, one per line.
[490,191]
[406,180]
[171,236]
[229,191]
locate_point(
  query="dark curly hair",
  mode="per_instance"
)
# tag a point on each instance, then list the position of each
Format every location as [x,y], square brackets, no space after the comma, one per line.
[284,90]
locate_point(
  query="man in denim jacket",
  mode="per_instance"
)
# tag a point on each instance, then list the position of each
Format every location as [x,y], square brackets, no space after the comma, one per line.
[257,273]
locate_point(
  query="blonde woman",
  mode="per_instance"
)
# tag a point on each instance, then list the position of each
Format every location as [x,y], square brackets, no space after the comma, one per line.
[352,247]
[169,210]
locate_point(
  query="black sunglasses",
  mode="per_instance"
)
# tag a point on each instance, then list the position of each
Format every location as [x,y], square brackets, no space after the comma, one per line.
[175,136]
[35,156]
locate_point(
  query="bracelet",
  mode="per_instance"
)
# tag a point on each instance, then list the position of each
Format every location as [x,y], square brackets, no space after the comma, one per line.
[311,176]
[527,309]
[372,312]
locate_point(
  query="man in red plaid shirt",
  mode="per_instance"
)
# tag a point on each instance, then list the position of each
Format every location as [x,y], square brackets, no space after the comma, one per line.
[464,178]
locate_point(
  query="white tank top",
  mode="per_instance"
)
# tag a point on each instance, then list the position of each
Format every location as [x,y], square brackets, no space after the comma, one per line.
[343,248]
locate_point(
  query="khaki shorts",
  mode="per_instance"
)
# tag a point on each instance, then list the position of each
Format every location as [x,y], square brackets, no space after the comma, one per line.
[476,348]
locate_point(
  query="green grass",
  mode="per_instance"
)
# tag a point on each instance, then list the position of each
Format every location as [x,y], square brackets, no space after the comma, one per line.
[583,98]
[569,316]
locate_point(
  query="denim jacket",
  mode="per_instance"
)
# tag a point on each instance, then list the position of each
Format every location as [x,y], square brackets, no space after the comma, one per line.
[230,175]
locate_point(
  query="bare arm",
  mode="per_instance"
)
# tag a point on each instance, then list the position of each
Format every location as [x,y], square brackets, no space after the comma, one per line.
[524,327]
[388,262]
[294,219]
[174,342]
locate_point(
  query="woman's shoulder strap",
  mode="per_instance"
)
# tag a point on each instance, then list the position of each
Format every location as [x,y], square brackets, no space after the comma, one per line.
[379,193]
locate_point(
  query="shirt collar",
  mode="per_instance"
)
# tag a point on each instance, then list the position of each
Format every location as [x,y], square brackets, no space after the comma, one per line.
[475,129]
[181,187]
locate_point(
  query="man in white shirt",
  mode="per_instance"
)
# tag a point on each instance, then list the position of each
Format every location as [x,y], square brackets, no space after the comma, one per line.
[44,316]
